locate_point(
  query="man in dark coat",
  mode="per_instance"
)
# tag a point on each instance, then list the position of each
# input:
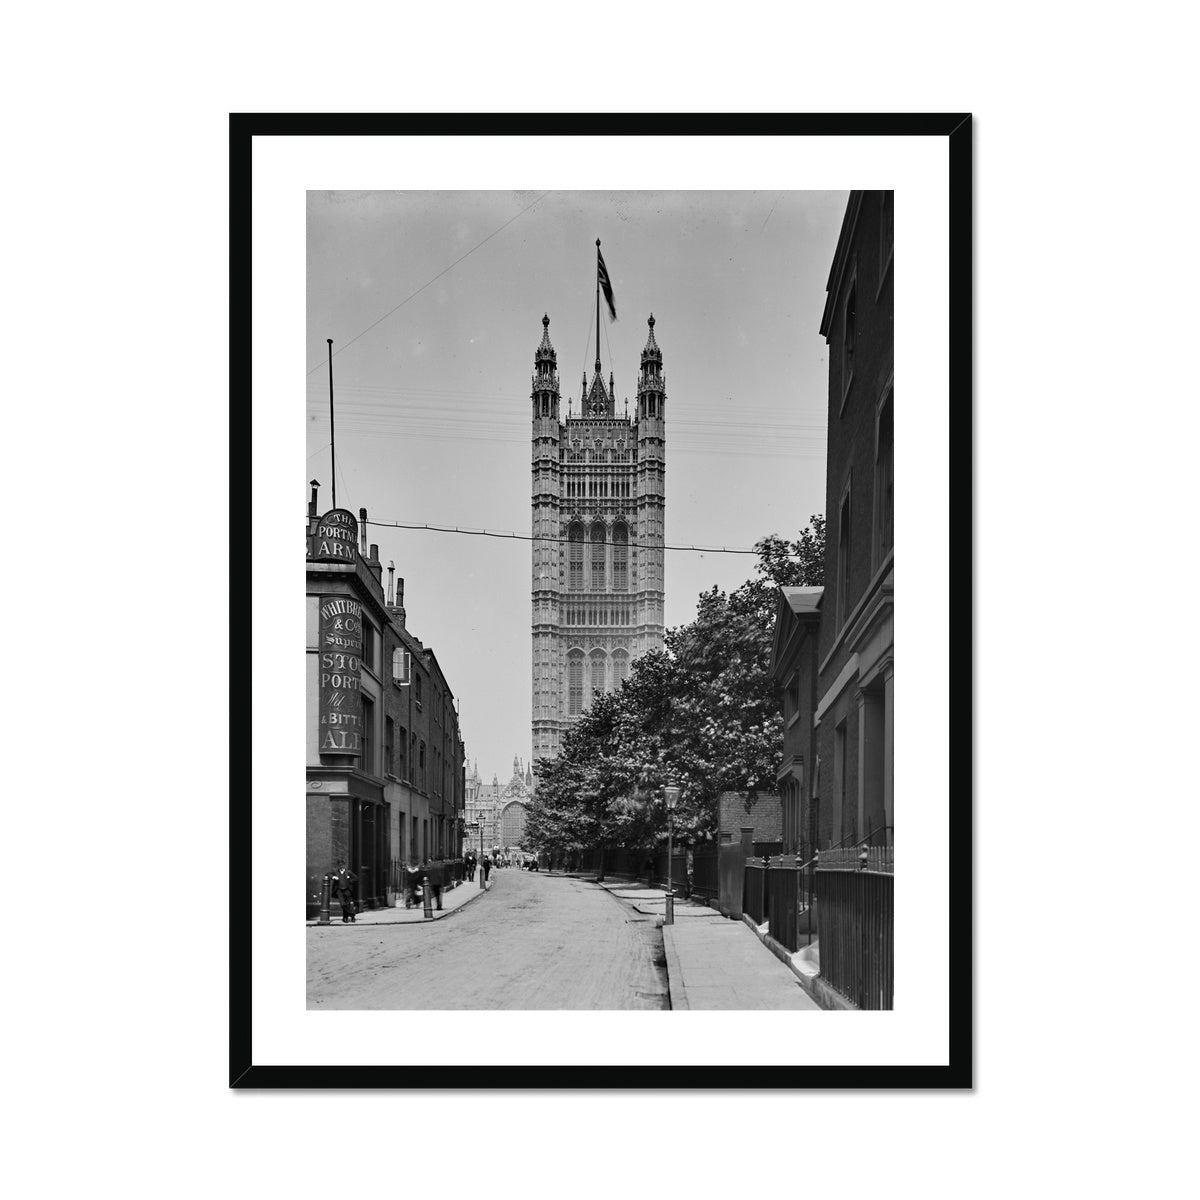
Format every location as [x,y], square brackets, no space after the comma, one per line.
[436,875]
[344,892]
[487,867]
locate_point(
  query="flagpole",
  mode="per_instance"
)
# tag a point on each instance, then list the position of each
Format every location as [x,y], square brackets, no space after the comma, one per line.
[332,460]
[597,306]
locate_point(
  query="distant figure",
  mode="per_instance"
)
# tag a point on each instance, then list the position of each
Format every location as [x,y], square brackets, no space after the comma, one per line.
[487,867]
[412,883]
[345,894]
[471,866]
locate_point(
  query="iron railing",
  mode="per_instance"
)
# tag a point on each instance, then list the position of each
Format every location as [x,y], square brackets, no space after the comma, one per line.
[855,917]
[790,903]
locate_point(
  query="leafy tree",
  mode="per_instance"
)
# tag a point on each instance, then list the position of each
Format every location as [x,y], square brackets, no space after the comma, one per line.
[702,713]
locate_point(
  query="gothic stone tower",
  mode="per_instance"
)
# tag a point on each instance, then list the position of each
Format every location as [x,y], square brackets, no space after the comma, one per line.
[598,497]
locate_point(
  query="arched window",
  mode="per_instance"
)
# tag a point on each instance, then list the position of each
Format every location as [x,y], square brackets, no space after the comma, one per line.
[575,558]
[620,552]
[574,683]
[620,668]
[597,584]
[596,683]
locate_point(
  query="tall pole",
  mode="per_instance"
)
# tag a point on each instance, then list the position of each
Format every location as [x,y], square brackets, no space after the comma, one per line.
[669,916]
[597,306]
[332,460]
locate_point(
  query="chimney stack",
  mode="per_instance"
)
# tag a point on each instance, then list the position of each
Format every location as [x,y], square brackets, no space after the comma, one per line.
[375,566]
[362,530]
[391,573]
[312,500]
[399,606]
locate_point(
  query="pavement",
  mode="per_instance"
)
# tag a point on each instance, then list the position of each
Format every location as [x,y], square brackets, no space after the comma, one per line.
[452,900]
[714,963]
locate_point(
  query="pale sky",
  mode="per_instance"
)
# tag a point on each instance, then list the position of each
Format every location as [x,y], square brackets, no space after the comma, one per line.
[432,403]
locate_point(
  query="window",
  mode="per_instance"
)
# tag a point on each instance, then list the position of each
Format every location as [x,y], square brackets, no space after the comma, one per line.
[849,337]
[402,754]
[401,667]
[389,746]
[575,558]
[597,675]
[368,731]
[368,654]
[620,578]
[574,683]
[421,767]
[597,582]
[883,482]
[843,559]
[418,687]
[839,783]
[620,666]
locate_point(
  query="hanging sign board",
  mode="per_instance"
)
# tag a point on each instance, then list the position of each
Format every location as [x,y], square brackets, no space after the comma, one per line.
[340,652]
[336,538]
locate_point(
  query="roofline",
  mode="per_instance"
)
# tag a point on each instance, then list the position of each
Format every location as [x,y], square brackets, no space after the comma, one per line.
[840,256]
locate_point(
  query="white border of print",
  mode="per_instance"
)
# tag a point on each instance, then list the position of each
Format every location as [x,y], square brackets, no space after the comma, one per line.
[284,1032]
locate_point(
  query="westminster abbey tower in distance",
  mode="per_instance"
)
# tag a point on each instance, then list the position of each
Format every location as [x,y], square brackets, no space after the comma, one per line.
[598,497]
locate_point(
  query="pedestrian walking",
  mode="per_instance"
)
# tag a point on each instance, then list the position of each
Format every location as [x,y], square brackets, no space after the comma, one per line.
[487,867]
[345,893]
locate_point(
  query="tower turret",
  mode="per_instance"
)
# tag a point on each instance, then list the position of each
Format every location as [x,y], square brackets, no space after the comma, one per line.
[651,482]
[546,497]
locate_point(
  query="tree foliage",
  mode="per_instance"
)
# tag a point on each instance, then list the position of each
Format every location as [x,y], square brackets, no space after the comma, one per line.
[702,713]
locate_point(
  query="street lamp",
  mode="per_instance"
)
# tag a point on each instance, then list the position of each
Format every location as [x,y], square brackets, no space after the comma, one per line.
[671,795]
[472,827]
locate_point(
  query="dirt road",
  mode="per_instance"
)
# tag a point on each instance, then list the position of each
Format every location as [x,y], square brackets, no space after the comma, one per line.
[533,942]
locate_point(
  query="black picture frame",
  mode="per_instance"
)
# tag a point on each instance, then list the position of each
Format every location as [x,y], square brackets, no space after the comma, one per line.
[956,129]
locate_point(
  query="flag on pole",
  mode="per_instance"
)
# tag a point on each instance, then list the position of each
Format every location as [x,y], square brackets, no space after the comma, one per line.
[605,285]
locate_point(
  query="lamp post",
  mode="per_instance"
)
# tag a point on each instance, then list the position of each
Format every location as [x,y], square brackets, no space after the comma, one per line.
[671,795]
[479,865]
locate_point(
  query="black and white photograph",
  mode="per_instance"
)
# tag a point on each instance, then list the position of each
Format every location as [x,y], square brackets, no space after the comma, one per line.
[599,600]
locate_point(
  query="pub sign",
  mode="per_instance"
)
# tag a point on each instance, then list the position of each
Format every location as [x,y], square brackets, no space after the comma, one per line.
[336,538]
[340,652]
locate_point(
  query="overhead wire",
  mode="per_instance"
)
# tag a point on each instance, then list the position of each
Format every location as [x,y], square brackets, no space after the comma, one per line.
[510,535]
[427,283]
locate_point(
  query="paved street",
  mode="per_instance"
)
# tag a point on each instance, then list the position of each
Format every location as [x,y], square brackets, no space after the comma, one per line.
[535,941]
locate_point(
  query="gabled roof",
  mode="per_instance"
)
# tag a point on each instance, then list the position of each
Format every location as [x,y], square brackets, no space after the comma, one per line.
[795,606]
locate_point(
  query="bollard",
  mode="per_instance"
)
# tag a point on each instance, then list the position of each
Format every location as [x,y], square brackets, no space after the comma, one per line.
[428,898]
[323,915]
[669,917]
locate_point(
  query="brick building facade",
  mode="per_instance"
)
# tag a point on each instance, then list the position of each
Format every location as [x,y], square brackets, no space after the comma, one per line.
[852,785]
[385,762]
[794,660]
[757,822]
